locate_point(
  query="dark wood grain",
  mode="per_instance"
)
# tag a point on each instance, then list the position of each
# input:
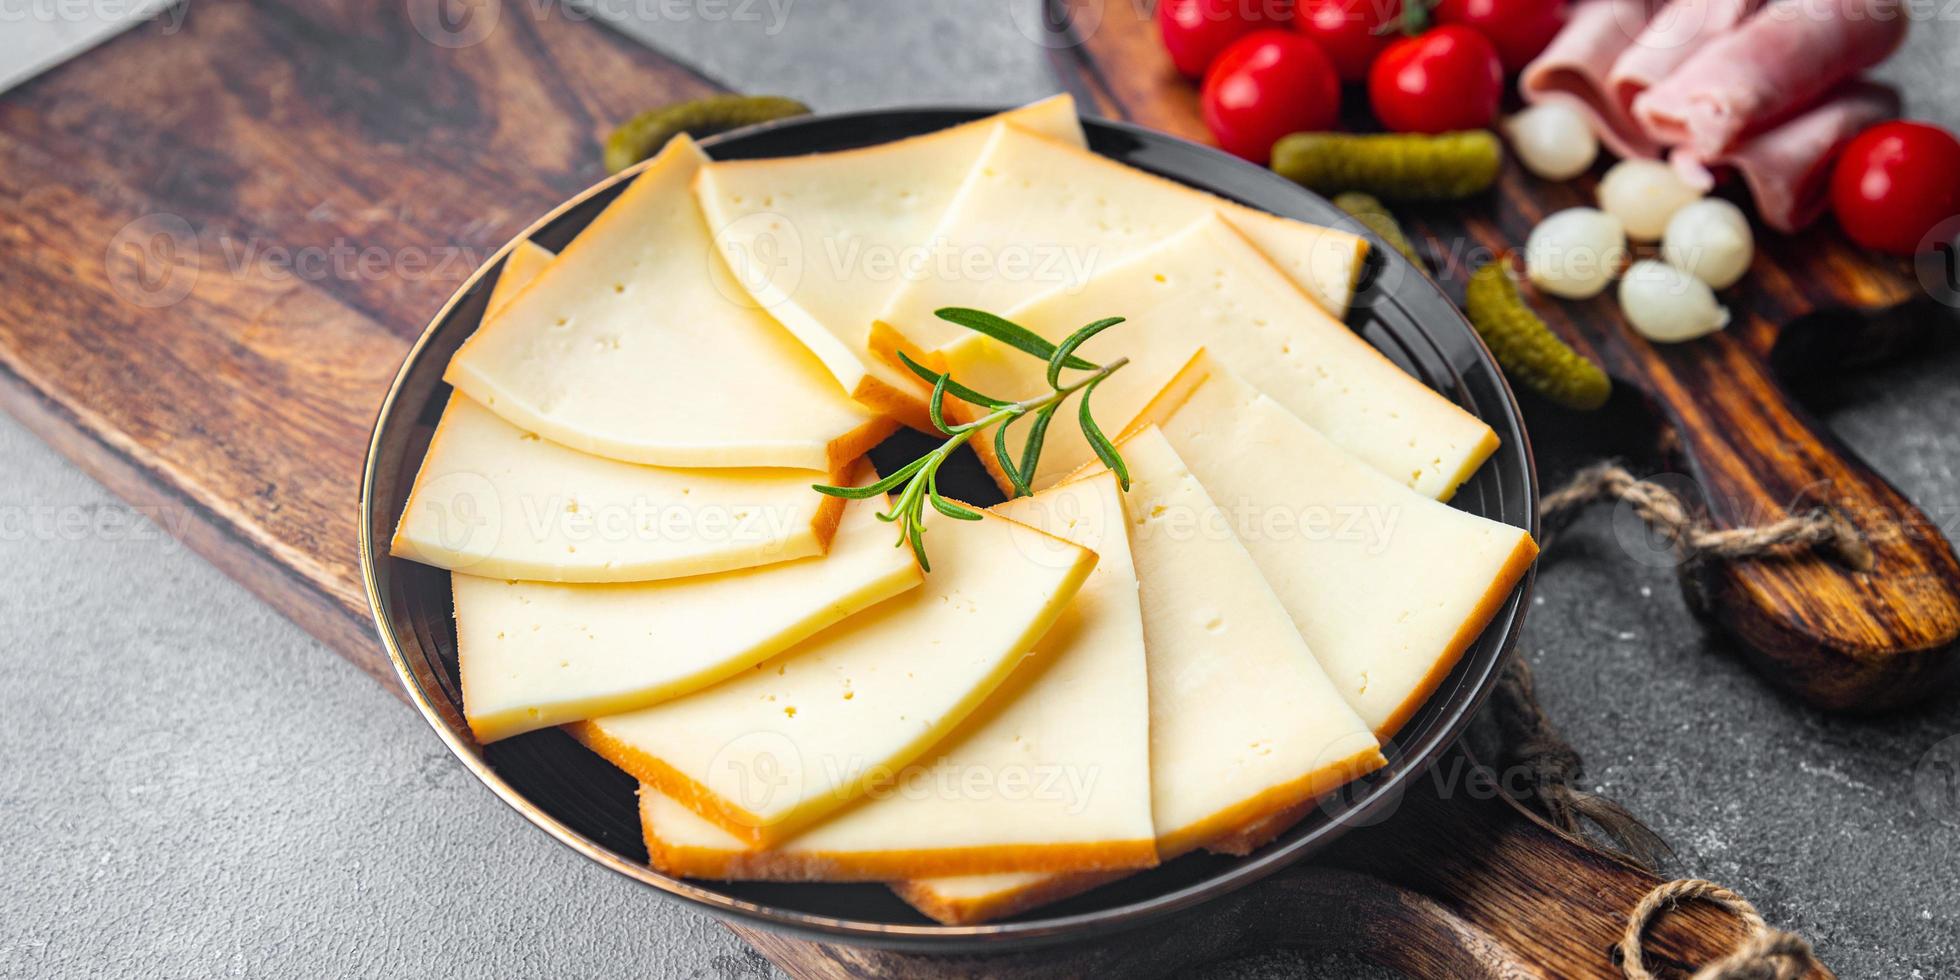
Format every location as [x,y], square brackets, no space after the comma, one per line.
[183,220]
[331,177]
[1839,637]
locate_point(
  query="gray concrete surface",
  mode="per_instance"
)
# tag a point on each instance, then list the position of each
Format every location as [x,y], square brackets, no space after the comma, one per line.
[190,786]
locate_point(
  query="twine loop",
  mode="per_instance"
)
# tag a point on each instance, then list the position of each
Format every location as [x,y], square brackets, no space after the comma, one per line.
[1819,529]
[1768,954]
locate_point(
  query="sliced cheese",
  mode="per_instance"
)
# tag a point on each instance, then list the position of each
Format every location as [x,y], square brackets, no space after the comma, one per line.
[1387,585]
[821,241]
[494,500]
[1051,773]
[1207,287]
[1038,215]
[769,751]
[1244,725]
[636,344]
[522,265]
[537,654]
[966,899]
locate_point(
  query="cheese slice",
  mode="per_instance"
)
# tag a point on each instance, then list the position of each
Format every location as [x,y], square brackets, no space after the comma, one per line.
[494,500]
[526,259]
[821,241]
[1037,215]
[536,654]
[1244,724]
[1051,773]
[1208,287]
[636,344]
[1387,585]
[769,751]
[960,900]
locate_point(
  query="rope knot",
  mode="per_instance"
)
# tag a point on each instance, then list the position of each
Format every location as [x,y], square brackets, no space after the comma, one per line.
[1768,954]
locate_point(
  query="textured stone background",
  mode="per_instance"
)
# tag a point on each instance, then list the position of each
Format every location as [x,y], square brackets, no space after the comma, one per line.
[191,786]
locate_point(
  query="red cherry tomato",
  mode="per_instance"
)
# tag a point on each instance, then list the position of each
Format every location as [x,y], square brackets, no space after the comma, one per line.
[1895,182]
[1264,86]
[1195,31]
[1518,29]
[1444,80]
[1351,33]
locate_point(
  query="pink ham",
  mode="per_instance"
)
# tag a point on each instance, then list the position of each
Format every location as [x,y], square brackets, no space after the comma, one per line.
[1778,62]
[1573,69]
[1788,167]
[1677,31]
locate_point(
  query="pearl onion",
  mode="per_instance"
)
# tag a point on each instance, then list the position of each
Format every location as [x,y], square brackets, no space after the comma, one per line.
[1710,240]
[1552,140]
[1668,305]
[1643,194]
[1575,252]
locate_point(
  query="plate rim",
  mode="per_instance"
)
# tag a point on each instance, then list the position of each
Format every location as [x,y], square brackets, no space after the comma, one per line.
[996,936]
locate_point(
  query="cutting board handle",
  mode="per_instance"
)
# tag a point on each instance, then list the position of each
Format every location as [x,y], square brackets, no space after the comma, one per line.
[1458,883]
[1836,635]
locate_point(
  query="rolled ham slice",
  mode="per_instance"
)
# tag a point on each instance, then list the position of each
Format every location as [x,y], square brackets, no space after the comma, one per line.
[1780,60]
[1672,35]
[1573,69]
[1788,167]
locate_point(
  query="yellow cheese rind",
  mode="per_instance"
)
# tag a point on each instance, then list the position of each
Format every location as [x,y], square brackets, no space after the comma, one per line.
[1037,215]
[1388,586]
[1208,287]
[1051,773]
[496,501]
[635,345]
[969,899]
[821,241]
[770,751]
[534,655]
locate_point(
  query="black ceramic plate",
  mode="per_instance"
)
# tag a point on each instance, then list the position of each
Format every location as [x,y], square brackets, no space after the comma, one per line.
[589,805]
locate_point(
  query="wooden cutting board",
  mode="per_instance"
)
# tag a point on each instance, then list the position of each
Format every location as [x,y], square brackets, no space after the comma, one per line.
[1840,637]
[216,244]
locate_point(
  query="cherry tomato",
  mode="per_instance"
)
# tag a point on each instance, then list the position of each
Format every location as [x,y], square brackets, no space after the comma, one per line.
[1266,85]
[1895,182]
[1351,33]
[1195,31]
[1518,29]
[1446,79]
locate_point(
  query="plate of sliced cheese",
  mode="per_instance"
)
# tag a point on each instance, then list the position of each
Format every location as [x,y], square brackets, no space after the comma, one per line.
[1161,654]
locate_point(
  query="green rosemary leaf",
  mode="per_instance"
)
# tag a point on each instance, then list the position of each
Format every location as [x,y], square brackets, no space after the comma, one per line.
[1105,450]
[1007,332]
[954,388]
[882,486]
[915,536]
[1037,433]
[1006,460]
[1066,352]
[936,405]
[944,506]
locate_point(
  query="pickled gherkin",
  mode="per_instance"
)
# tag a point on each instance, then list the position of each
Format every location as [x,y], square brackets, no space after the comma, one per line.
[1530,353]
[1392,166]
[643,135]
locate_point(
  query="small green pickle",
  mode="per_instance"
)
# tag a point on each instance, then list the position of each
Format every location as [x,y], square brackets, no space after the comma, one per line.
[1392,166]
[1375,216]
[1526,347]
[643,135]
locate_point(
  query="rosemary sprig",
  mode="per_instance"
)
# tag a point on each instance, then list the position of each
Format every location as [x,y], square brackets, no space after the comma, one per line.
[920,478]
